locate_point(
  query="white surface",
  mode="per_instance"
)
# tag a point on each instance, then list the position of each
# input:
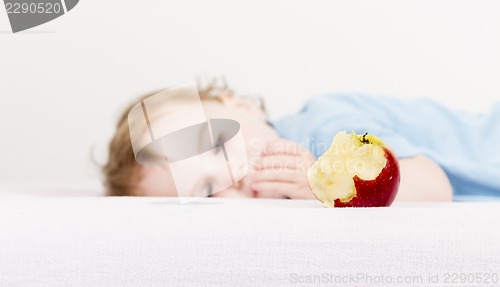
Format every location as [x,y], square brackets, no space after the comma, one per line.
[51,189]
[214,242]
[61,91]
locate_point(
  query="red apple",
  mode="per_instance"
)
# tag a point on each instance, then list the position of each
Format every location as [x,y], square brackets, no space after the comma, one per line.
[356,171]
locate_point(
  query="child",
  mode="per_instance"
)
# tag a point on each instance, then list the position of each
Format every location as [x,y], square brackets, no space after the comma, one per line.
[124,176]
[440,151]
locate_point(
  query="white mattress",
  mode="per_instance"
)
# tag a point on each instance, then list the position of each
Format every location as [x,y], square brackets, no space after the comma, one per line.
[99,241]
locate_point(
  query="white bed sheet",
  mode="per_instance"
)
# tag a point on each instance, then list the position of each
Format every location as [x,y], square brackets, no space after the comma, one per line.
[102,241]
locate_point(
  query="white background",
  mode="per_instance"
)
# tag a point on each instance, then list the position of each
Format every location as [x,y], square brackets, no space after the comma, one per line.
[63,84]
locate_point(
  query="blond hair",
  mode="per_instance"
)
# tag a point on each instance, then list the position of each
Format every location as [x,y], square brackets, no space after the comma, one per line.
[121,172]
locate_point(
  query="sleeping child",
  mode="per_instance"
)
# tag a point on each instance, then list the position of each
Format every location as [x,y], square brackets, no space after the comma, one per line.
[443,154]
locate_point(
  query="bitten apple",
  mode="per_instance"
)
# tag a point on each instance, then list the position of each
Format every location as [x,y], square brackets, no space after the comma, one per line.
[356,171]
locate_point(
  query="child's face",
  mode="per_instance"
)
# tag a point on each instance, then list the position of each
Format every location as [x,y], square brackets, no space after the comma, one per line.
[158,181]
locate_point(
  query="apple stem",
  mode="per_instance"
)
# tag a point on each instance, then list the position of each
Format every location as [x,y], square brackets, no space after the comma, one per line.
[365,140]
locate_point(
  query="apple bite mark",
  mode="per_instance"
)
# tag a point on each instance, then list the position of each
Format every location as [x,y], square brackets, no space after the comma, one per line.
[380,191]
[355,171]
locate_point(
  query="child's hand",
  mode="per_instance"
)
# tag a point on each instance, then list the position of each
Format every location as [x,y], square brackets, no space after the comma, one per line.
[282,171]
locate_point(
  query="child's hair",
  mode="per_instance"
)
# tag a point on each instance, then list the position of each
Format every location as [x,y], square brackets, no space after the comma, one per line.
[121,172]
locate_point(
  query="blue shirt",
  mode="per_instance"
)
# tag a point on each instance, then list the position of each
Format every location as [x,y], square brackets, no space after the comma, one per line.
[466,146]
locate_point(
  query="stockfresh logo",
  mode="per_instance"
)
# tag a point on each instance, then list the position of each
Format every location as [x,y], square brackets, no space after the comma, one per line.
[26,14]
